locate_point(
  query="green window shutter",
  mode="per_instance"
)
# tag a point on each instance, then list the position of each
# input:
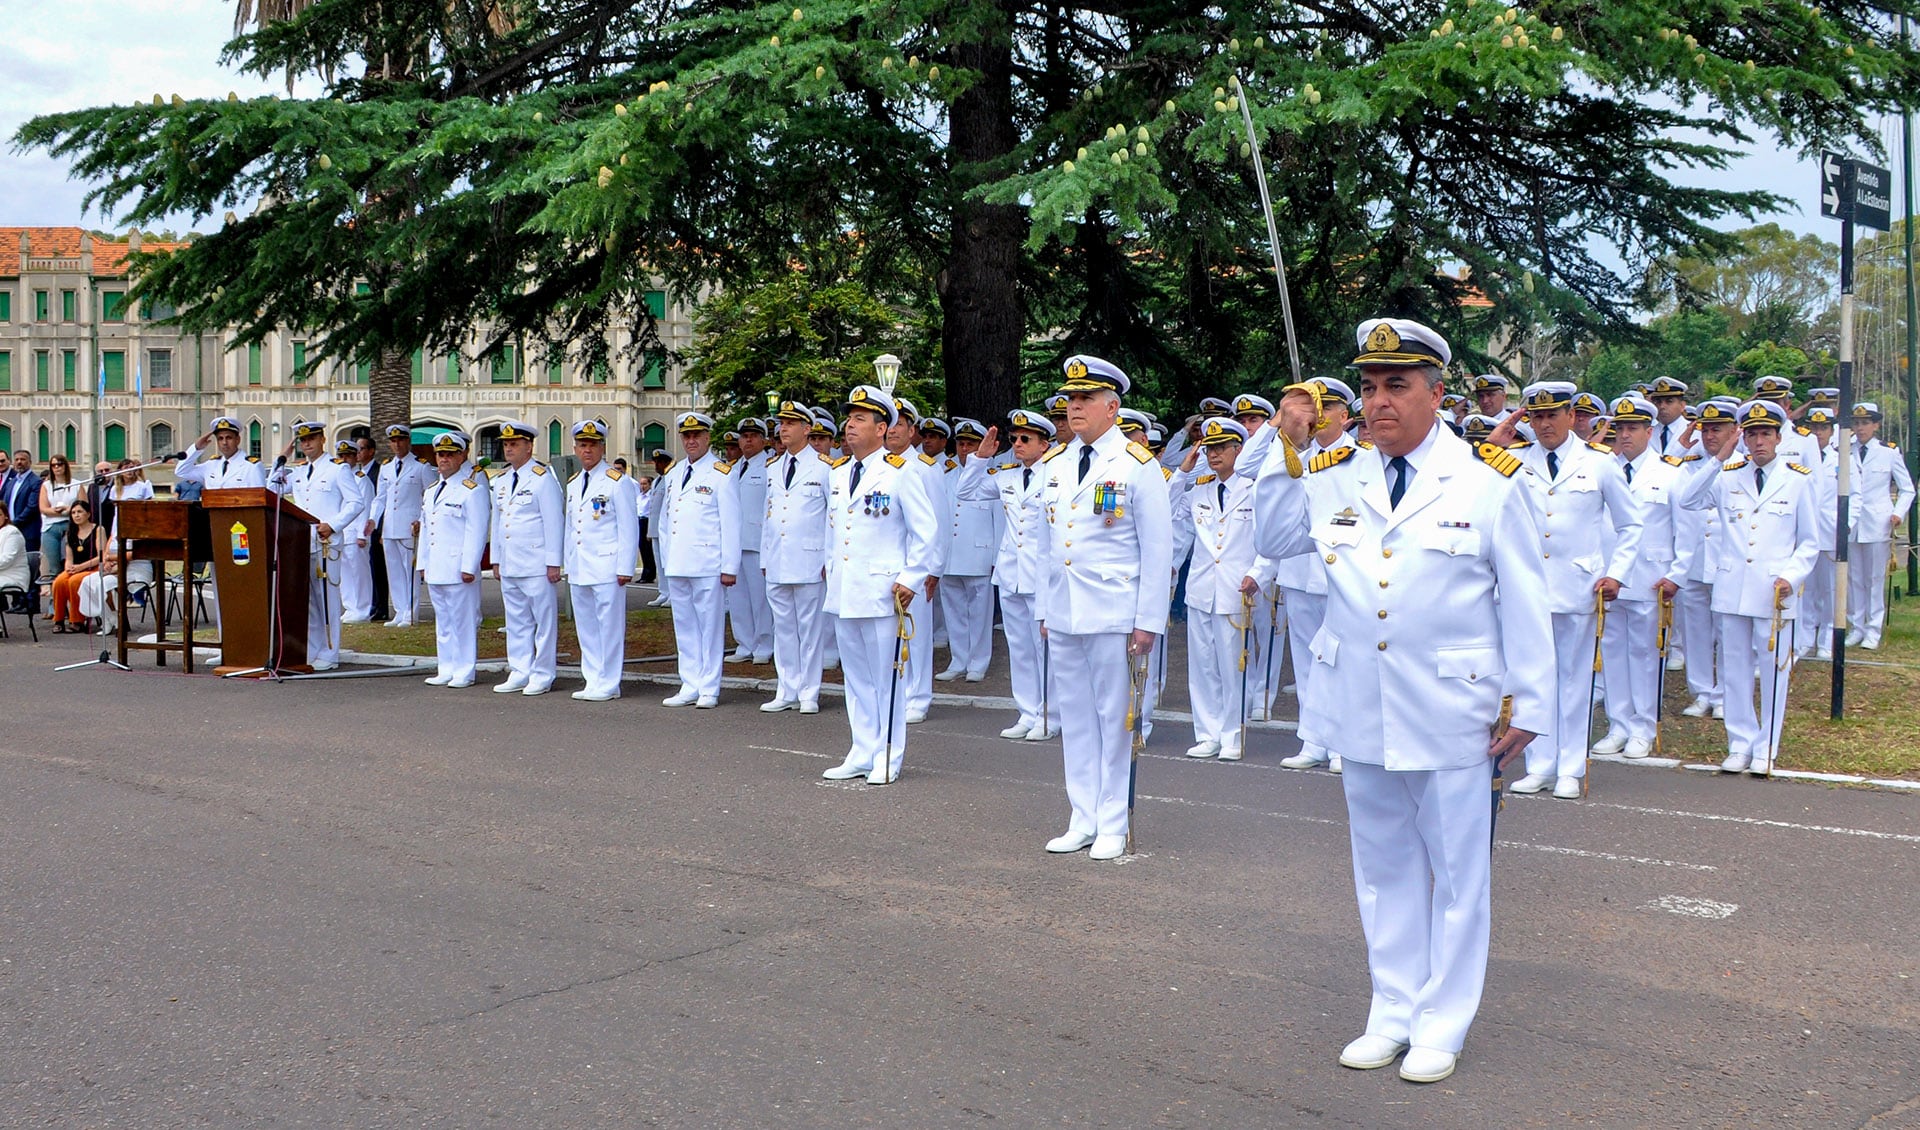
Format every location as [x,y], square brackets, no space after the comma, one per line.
[600,372]
[6,384]
[253,364]
[72,443]
[299,362]
[116,442]
[69,370]
[363,373]
[113,306]
[453,368]
[653,438]
[418,368]
[69,306]
[503,367]
[39,305]
[655,374]
[46,444]
[554,375]
[116,364]
[253,439]
[657,303]
[6,310]
[362,288]
[553,439]
[40,382]
[6,438]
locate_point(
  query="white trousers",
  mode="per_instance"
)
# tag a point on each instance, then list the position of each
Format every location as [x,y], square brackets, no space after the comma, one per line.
[1422,856]
[1813,627]
[456,627]
[918,687]
[600,620]
[797,629]
[1213,678]
[1867,585]
[968,606]
[1091,683]
[1306,611]
[1693,614]
[323,615]
[829,639]
[1562,752]
[876,704]
[533,622]
[356,579]
[402,580]
[747,606]
[1024,657]
[1630,658]
[1260,664]
[1751,672]
[699,632]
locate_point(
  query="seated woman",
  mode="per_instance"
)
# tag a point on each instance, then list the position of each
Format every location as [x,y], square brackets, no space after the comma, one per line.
[99,594]
[80,558]
[15,572]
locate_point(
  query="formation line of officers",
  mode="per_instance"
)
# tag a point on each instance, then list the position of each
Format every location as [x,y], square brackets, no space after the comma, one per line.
[1418,555]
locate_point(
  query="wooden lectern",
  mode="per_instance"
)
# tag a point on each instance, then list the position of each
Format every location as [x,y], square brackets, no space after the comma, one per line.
[160,532]
[258,579]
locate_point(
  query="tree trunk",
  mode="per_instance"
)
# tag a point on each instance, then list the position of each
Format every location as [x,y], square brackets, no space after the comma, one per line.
[390,391]
[982,319]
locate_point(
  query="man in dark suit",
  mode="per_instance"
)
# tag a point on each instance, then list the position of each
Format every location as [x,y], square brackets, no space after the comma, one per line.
[20,493]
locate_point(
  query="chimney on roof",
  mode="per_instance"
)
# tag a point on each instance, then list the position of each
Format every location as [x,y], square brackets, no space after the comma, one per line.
[26,249]
[86,253]
[133,240]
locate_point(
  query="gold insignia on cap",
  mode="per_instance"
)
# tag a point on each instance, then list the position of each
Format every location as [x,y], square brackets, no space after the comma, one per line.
[1383,339]
[1214,428]
[1076,369]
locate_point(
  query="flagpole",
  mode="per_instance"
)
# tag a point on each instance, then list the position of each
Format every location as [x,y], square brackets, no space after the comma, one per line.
[1913,340]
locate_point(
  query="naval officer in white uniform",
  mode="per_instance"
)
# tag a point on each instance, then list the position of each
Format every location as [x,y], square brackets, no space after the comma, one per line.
[453,538]
[400,485]
[1016,570]
[883,548]
[1107,558]
[323,488]
[224,468]
[1882,492]
[1436,614]
[703,559]
[603,544]
[1631,644]
[793,553]
[747,600]
[529,548]
[1224,594]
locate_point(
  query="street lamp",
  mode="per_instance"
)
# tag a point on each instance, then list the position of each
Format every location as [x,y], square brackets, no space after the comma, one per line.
[886,371]
[773,403]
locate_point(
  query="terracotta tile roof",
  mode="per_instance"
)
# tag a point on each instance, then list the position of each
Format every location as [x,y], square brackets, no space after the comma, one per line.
[109,256]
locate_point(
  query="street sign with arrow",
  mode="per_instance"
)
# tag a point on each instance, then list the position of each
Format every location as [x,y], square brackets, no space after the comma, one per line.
[1851,189]
[1833,172]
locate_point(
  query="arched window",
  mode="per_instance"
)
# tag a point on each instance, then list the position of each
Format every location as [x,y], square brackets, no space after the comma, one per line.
[6,438]
[554,434]
[73,443]
[116,442]
[653,438]
[159,441]
[46,443]
[253,439]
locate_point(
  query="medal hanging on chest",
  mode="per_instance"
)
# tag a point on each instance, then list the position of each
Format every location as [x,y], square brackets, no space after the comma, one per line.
[878,503]
[1109,498]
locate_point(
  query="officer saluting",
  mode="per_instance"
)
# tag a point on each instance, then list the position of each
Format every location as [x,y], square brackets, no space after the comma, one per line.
[882,553]
[1107,557]
[1435,611]
[529,550]
[603,539]
[793,553]
[226,468]
[453,536]
[1017,567]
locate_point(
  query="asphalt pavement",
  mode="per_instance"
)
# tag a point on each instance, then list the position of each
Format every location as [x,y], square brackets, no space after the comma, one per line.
[374,903]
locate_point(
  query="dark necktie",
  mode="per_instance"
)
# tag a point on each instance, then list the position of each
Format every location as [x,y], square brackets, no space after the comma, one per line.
[1629,468]
[1222,504]
[223,467]
[439,490]
[1086,461]
[310,468]
[792,462]
[688,477]
[853,484]
[1666,432]
[1398,464]
[513,485]
[1553,465]
[1026,478]
[586,479]
[1759,480]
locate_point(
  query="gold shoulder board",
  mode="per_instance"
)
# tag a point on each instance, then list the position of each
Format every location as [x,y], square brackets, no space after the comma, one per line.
[1520,445]
[539,468]
[927,459]
[616,474]
[1368,444]
[1140,452]
[1672,460]
[1501,459]
[1053,451]
[1735,465]
[469,484]
[896,460]
[1203,480]
[1600,447]
[1328,459]
[1799,468]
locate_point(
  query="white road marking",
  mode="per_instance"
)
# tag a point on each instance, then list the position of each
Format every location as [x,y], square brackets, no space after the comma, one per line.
[1607,855]
[1692,907]
[1755,821]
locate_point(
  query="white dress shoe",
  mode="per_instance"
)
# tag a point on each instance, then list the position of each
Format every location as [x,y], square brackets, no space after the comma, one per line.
[767,658]
[1638,748]
[535,690]
[777,705]
[1567,788]
[1108,847]
[948,676]
[1039,733]
[1017,732]
[739,655]
[432,680]
[510,686]
[1735,763]
[1257,714]
[1676,662]
[1427,1065]
[1333,764]
[707,702]
[881,775]
[1614,742]
[830,663]
[1719,710]
[1872,642]
[1760,767]
[1854,636]
[1532,783]
[323,666]
[1698,708]
[915,717]
[1289,689]
[686,697]
[596,696]
[1228,753]
[1824,650]
[1369,1052]
[1072,841]
[1203,749]
[845,771]
[809,708]
[460,684]
[355,619]
[1305,759]
[397,622]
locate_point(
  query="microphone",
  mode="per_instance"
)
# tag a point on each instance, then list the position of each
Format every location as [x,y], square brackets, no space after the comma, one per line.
[279,463]
[177,456]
